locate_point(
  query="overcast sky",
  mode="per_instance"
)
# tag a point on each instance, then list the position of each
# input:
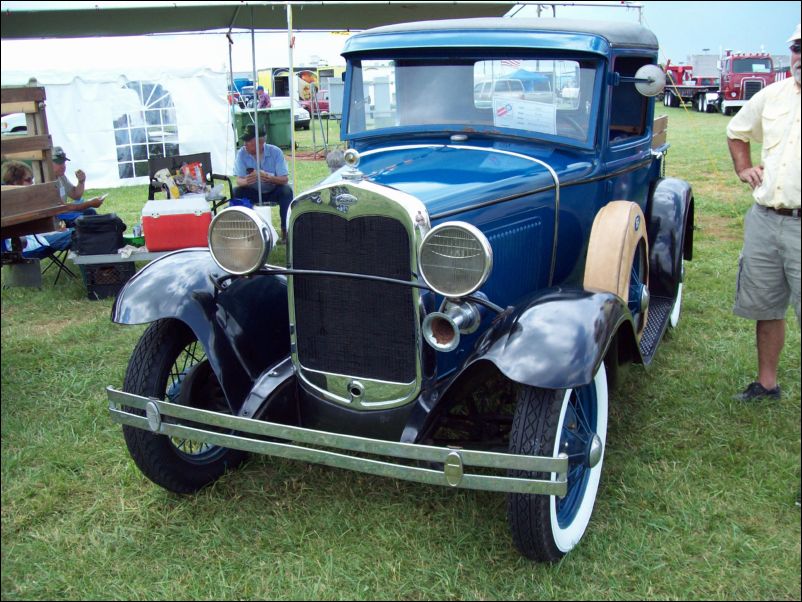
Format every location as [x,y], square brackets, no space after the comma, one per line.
[683,28]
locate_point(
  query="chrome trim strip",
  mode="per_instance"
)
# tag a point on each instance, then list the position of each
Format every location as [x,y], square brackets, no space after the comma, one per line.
[376,151]
[409,451]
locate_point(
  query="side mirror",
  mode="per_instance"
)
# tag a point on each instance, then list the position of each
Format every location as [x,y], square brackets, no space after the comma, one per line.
[650,80]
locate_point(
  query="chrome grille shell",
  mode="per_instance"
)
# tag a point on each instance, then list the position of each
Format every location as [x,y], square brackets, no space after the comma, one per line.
[338,207]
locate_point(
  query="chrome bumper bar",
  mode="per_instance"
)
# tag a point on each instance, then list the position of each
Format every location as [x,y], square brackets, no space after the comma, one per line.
[161,417]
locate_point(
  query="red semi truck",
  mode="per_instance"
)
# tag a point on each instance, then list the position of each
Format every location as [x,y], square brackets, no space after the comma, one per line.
[742,75]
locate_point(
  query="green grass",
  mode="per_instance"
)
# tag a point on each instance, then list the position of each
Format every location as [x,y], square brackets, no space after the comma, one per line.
[697,495]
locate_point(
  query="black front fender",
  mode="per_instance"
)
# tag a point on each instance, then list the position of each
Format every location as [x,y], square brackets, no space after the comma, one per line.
[243,328]
[555,340]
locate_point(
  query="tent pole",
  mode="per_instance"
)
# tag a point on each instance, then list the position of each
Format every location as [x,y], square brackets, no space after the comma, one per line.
[231,102]
[291,44]
[256,111]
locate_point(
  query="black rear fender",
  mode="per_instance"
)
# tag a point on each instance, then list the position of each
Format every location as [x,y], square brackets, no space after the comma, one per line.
[669,218]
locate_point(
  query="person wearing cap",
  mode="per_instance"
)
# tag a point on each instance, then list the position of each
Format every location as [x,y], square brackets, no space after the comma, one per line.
[69,191]
[264,98]
[271,173]
[769,271]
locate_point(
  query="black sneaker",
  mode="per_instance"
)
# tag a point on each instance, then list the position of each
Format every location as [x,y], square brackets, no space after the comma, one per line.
[757,391]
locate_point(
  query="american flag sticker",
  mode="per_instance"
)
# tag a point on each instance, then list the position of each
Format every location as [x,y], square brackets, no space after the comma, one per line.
[501,111]
[511,63]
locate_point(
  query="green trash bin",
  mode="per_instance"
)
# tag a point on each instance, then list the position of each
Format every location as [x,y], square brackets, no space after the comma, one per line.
[279,124]
[243,119]
[274,122]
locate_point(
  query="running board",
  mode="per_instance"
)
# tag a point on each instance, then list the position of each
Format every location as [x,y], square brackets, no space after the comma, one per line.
[656,324]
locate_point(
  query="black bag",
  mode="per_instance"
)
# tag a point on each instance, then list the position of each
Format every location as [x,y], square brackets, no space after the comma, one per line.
[98,234]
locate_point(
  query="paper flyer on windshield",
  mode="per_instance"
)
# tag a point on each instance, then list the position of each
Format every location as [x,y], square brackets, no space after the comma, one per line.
[524,115]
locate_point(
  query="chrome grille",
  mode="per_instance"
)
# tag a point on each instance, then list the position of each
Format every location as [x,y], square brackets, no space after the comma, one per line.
[751,88]
[350,326]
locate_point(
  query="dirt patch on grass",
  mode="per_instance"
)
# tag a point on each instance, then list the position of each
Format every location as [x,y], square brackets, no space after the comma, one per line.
[719,227]
[45,328]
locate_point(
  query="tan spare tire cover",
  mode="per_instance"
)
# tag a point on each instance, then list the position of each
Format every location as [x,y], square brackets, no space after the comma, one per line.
[617,232]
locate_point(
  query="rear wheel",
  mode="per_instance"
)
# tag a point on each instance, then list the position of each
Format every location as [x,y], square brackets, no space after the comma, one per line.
[168,363]
[548,422]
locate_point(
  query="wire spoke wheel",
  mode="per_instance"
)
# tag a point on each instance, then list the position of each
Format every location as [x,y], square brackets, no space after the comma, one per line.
[638,286]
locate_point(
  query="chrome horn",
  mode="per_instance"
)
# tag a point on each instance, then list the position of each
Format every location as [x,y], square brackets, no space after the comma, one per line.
[441,329]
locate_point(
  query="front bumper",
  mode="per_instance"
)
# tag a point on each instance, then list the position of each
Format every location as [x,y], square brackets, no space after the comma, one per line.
[245,434]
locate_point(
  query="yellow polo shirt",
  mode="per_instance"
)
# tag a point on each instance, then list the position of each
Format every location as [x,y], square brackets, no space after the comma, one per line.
[771,117]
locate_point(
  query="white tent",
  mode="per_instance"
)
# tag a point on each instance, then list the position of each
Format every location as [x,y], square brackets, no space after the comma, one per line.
[109,122]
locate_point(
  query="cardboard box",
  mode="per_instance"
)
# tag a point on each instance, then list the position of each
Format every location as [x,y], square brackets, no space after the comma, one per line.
[176,223]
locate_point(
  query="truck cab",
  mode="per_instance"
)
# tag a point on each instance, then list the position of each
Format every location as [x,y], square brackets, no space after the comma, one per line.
[742,76]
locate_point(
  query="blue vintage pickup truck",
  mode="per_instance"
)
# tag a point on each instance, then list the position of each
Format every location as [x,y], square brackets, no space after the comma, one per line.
[457,297]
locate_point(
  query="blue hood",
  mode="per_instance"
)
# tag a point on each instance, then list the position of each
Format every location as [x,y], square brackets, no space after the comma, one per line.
[447,178]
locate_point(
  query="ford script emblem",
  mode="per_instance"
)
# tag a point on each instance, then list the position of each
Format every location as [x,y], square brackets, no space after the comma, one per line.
[342,202]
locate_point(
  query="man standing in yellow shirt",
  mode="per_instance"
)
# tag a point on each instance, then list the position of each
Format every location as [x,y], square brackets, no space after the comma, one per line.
[769,270]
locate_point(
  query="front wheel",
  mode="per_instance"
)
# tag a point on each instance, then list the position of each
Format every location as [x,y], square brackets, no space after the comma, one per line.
[549,422]
[168,363]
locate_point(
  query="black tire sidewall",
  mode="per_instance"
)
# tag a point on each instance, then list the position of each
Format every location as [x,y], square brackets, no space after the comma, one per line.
[155,455]
[534,432]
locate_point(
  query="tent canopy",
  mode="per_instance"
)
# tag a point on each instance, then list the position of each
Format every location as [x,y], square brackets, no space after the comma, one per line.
[21,20]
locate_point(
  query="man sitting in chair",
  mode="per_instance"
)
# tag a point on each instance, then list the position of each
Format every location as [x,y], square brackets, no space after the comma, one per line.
[272,173]
[70,192]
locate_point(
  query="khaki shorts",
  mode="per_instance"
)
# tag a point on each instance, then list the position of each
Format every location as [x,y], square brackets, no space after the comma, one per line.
[769,266]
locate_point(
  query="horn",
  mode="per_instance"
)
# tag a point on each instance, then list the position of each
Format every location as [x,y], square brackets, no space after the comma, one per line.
[442,329]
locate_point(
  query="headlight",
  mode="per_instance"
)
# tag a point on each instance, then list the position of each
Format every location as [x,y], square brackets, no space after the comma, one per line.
[455,259]
[239,240]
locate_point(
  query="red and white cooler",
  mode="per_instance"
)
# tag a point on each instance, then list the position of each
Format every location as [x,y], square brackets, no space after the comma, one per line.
[176,223]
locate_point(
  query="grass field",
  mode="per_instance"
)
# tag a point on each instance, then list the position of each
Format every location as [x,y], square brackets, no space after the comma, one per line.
[696,500]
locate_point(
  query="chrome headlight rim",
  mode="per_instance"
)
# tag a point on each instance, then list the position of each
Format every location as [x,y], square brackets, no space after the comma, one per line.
[487,252]
[265,238]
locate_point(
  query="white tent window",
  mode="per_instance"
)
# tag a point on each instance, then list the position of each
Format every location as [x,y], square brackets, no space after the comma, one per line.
[151,131]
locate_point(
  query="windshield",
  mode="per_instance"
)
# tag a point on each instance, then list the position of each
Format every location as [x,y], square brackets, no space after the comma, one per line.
[536,97]
[751,66]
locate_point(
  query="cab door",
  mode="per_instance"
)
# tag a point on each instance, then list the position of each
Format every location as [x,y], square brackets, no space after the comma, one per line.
[627,145]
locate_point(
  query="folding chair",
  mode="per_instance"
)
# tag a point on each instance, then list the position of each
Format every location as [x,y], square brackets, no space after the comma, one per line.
[58,259]
[174,163]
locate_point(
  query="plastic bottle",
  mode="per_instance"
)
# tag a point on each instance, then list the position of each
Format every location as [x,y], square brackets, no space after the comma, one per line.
[171,186]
